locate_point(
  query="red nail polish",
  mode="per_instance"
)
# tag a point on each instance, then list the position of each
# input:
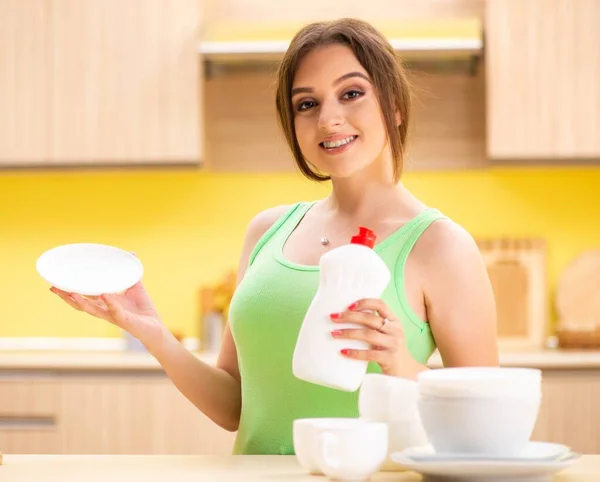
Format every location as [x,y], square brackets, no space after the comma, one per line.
[352,306]
[345,351]
[334,316]
[336,332]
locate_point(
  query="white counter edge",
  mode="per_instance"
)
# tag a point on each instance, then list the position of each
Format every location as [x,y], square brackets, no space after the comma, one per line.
[75,344]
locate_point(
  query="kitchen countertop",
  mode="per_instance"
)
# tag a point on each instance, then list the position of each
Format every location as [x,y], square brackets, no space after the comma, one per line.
[85,361]
[191,468]
[545,359]
[117,360]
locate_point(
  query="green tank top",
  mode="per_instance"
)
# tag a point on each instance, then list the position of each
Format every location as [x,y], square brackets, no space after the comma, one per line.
[265,317]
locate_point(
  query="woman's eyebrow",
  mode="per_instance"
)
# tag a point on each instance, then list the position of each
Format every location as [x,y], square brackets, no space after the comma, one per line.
[310,90]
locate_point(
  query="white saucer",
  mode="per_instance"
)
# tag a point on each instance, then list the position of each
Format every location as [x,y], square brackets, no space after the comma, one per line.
[533,452]
[485,470]
[90,269]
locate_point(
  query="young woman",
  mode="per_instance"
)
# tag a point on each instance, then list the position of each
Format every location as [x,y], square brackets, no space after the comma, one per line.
[344,105]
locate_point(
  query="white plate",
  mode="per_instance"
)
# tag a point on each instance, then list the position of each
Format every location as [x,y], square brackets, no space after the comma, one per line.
[485,470]
[534,451]
[90,269]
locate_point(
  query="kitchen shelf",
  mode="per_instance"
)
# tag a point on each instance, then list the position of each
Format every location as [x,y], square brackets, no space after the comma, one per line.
[416,39]
[273,49]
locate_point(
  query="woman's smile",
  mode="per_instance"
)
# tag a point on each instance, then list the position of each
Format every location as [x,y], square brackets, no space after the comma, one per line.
[337,144]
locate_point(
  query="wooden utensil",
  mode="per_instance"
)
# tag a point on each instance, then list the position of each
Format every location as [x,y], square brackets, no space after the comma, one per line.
[517,270]
[578,302]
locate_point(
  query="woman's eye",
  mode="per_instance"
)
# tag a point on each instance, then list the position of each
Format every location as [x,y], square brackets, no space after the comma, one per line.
[304,105]
[353,94]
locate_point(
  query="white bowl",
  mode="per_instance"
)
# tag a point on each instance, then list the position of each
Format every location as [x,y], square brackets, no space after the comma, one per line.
[498,391]
[480,382]
[472,393]
[492,426]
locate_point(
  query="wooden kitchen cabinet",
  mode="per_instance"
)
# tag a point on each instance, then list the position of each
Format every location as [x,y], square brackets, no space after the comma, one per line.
[25,70]
[543,87]
[29,413]
[134,414]
[569,411]
[100,82]
[103,413]
[125,81]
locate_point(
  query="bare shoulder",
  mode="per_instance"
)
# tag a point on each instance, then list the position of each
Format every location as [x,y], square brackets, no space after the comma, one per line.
[257,227]
[261,223]
[447,244]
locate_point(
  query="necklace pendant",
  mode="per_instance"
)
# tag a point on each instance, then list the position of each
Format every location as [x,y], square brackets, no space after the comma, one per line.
[324,241]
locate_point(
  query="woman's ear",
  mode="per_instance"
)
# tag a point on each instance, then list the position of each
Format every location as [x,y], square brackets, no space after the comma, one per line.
[398,118]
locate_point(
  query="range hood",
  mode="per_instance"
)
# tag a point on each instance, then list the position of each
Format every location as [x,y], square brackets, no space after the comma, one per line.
[415,39]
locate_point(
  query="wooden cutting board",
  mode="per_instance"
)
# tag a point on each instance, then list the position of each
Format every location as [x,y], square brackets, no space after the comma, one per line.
[517,270]
[578,293]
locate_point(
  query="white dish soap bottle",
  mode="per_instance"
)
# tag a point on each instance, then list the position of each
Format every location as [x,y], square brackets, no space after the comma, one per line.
[348,273]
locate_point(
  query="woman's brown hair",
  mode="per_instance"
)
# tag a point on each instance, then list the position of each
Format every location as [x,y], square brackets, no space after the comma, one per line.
[377,57]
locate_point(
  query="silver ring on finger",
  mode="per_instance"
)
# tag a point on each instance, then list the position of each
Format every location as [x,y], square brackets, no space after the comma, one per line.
[384,324]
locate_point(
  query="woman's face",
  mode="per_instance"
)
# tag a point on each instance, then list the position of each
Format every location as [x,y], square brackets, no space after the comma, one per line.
[338,120]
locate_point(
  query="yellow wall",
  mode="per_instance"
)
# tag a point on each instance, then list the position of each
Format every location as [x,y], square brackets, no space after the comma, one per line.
[187,227]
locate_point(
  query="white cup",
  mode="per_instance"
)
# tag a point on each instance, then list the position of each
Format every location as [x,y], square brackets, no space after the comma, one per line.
[384,398]
[305,435]
[374,396]
[353,451]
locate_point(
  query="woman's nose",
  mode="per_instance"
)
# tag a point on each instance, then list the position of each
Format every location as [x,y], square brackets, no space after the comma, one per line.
[330,117]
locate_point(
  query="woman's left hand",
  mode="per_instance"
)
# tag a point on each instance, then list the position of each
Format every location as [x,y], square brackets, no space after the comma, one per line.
[380,329]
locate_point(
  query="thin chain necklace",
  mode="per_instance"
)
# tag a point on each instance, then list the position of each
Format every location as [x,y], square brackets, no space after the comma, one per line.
[325,239]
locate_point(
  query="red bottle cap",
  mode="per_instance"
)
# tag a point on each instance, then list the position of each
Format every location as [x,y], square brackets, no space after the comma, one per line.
[365,237]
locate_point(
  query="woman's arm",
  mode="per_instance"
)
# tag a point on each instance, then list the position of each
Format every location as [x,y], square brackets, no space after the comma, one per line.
[460,303]
[215,391]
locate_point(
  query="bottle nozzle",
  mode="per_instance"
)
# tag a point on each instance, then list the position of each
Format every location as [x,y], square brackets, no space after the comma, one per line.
[365,236]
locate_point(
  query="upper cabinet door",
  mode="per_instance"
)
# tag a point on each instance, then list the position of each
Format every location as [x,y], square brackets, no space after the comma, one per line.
[543,79]
[25,50]
[126,82]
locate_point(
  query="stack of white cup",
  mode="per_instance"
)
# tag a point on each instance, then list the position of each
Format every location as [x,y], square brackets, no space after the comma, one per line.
[480,411]
[394,401]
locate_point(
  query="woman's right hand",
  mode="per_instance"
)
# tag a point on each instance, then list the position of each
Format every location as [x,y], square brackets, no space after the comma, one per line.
[133,311]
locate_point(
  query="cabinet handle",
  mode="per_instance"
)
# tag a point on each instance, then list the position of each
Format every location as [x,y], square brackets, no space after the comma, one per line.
[20,422]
